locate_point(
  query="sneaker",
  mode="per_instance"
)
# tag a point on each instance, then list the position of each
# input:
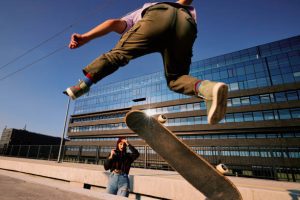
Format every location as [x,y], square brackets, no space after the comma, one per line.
[77,90]
[215,96]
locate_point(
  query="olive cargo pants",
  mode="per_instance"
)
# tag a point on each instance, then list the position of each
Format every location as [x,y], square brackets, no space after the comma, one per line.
[165,29]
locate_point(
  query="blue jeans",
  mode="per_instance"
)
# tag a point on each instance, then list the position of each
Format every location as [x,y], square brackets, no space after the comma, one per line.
[118,184]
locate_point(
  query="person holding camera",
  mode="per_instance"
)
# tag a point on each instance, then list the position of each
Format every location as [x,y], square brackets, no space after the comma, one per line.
[119,162]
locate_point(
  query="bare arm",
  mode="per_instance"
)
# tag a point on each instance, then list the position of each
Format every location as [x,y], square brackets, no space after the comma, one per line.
[111,25]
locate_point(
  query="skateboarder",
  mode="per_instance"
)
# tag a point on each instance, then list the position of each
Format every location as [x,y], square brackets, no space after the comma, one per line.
[168,28]
[119,163]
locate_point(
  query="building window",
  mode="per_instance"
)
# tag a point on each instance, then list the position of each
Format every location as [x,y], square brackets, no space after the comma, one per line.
[248,117]
[254,100]
[277,80]
[236,102]
[229,118]
[295,113]
[280,97]
[233,86]
[284,114]
[268,115]
[245,100]
[238,117]
[292,95]
[265,98]
[257,116]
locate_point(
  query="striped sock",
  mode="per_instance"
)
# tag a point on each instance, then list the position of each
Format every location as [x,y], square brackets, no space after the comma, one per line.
[197,86]
[88,80]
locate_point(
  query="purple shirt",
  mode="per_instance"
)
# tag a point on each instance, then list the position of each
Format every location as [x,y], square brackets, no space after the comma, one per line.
[136,15]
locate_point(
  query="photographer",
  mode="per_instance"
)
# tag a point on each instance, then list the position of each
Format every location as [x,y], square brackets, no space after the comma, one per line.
[119,163]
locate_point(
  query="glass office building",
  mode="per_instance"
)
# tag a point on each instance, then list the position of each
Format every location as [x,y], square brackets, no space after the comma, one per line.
[262,120]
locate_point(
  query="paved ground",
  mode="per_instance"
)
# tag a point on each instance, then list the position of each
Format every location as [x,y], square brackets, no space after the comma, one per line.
[20,186]
[16,189]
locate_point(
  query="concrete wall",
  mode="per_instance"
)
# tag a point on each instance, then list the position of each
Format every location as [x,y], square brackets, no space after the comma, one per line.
[147,184]
[155,184]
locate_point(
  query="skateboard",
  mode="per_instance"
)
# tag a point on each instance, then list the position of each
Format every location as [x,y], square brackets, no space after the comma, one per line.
[195,169]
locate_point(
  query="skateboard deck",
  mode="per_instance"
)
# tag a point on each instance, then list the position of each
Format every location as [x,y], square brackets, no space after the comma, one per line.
[195,169]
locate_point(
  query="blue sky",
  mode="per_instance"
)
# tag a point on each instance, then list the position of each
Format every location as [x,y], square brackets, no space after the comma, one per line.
[33,97]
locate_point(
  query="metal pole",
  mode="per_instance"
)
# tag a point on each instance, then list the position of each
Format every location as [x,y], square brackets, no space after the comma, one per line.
[145,156]
[63,134]
[38,153]
[28,151]
[50,151]
[19,151]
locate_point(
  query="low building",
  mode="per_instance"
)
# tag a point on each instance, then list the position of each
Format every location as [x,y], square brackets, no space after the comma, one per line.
[23,143]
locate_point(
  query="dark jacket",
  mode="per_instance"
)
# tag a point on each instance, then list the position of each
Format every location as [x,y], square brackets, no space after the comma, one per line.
[122,161]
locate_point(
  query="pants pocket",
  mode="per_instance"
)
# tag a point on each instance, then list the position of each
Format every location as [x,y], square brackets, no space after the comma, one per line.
[128,34]
[192,21]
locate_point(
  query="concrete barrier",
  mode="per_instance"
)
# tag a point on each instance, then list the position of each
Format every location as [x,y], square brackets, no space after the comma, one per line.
[147,184]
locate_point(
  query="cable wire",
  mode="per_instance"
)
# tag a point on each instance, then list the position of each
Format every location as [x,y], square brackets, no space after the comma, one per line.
[55,35]
[35,47]
[32,63]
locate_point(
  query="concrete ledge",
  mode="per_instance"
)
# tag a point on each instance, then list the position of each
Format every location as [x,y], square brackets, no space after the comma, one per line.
[147,184]
[67,188]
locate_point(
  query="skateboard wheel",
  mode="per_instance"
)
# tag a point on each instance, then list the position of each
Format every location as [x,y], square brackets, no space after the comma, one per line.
[222,168]
[162,119]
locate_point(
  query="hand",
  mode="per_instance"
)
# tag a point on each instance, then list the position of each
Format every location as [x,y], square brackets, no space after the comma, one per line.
[77,40]
[125,141]
[112,153]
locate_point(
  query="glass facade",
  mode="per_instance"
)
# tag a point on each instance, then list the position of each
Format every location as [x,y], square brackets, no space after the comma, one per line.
[222,151]
[282,114]
[270,64]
